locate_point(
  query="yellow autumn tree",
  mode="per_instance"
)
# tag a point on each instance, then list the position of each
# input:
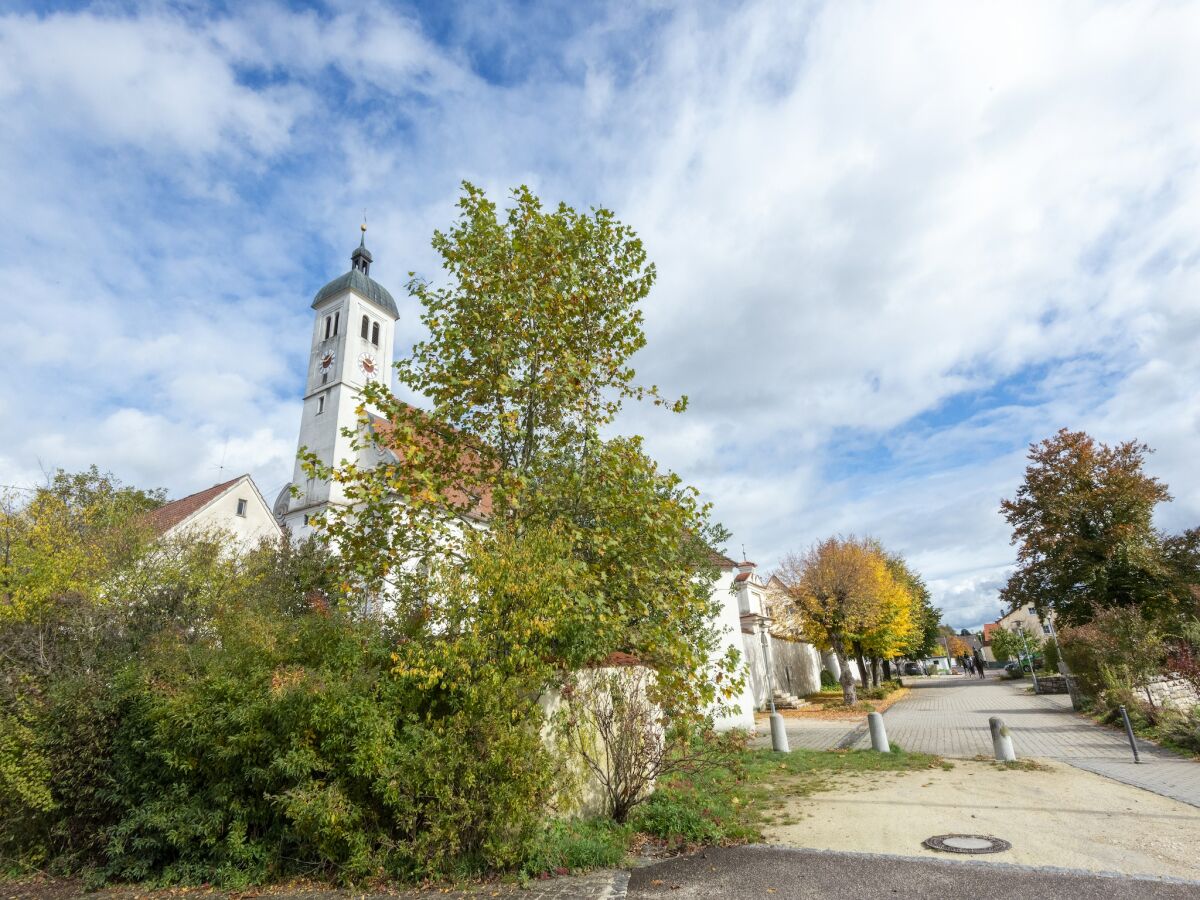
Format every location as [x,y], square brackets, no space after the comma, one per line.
[896,625]
[834,593]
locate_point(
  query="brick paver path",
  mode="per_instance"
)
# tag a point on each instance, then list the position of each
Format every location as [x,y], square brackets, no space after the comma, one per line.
[949,716]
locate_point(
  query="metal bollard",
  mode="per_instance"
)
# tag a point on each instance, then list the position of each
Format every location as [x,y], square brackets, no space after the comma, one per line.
[779,741]
[1129,734]
[879,739]
[1002,743]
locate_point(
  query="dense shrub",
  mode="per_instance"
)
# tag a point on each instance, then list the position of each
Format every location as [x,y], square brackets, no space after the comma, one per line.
[1182,729]
[827,680]
[287,746]
[1120,639]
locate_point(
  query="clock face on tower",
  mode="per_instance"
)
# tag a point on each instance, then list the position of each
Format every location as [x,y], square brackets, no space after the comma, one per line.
[366,362]
[325,364]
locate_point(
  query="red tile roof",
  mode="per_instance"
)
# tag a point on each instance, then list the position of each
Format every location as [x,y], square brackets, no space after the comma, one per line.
[618,658]
[171,514]
[479,493]
[741,576]
[720,560]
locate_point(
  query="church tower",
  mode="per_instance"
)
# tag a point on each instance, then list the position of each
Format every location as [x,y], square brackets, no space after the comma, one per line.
[353,329]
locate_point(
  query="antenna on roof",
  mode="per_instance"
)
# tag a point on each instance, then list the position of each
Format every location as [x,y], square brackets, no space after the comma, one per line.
[221,467]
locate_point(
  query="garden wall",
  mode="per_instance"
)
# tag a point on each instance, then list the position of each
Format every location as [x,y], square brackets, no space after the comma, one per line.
[578,716]
[1176,692]
[796,669]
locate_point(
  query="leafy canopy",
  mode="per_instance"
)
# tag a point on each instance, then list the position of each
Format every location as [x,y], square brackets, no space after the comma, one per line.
[1082,523]
[527,363]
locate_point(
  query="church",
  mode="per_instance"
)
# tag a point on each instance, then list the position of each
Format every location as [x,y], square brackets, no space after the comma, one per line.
[354,325]
[353,330]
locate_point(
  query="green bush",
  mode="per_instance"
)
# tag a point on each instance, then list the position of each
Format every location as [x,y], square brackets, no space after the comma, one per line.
[1050,657]
[827,680]
[287,746]
[1182,729]
[878,693]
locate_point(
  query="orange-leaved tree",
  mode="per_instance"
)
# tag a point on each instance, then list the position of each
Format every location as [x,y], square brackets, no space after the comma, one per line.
[837,591]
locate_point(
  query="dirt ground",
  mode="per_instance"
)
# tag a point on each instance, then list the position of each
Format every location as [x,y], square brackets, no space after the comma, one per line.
[1053,816]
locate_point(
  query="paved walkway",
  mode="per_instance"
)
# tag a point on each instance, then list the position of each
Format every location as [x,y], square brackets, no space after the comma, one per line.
[758,872]
[949,716]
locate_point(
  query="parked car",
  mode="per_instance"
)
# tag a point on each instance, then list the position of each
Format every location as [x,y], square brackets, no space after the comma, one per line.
[912,668]
[1015,668]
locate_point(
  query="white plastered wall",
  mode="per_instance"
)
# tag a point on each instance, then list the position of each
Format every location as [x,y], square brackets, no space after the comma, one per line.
[740,713]
[221,515]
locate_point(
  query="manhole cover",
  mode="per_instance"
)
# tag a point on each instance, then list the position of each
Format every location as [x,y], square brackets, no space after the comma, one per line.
[967,843]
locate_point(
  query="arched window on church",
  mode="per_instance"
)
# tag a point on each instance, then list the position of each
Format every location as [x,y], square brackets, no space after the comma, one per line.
[375,333]
[336,316]
[364,327]
[328,326]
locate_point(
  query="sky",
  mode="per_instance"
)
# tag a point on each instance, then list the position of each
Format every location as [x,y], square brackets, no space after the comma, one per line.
[896,242]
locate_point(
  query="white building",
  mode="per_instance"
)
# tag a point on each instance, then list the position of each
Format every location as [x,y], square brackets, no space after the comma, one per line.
[353,329]
[740,713]
[234,508]
[793,664]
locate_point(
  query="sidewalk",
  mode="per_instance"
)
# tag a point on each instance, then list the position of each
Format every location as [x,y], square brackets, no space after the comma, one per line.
[949,716]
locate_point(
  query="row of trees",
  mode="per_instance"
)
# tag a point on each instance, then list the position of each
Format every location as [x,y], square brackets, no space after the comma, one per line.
[851,596]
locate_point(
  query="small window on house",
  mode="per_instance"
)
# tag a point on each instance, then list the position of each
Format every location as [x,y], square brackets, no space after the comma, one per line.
[328,326]
[375,333]
[365,326]
[241,507]
[306,518]
[336,316]
[1033,610]
[1045,629]
[324,378]
[320,404]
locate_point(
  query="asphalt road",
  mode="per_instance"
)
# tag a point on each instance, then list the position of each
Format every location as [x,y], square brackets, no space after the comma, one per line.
[761,872]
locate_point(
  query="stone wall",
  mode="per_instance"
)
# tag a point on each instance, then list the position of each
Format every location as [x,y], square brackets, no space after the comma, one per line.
[796,667]
[1052,684]
[1176,692]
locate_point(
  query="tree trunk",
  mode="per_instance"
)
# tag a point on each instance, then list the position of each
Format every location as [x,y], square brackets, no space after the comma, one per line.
[887,670]
[849,695]
[863,678]
[875,671]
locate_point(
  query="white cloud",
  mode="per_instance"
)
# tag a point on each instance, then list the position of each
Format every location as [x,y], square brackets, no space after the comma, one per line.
[140,82]
[858,212]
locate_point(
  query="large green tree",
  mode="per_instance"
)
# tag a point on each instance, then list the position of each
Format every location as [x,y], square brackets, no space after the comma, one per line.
[525,368]
[1082,523]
